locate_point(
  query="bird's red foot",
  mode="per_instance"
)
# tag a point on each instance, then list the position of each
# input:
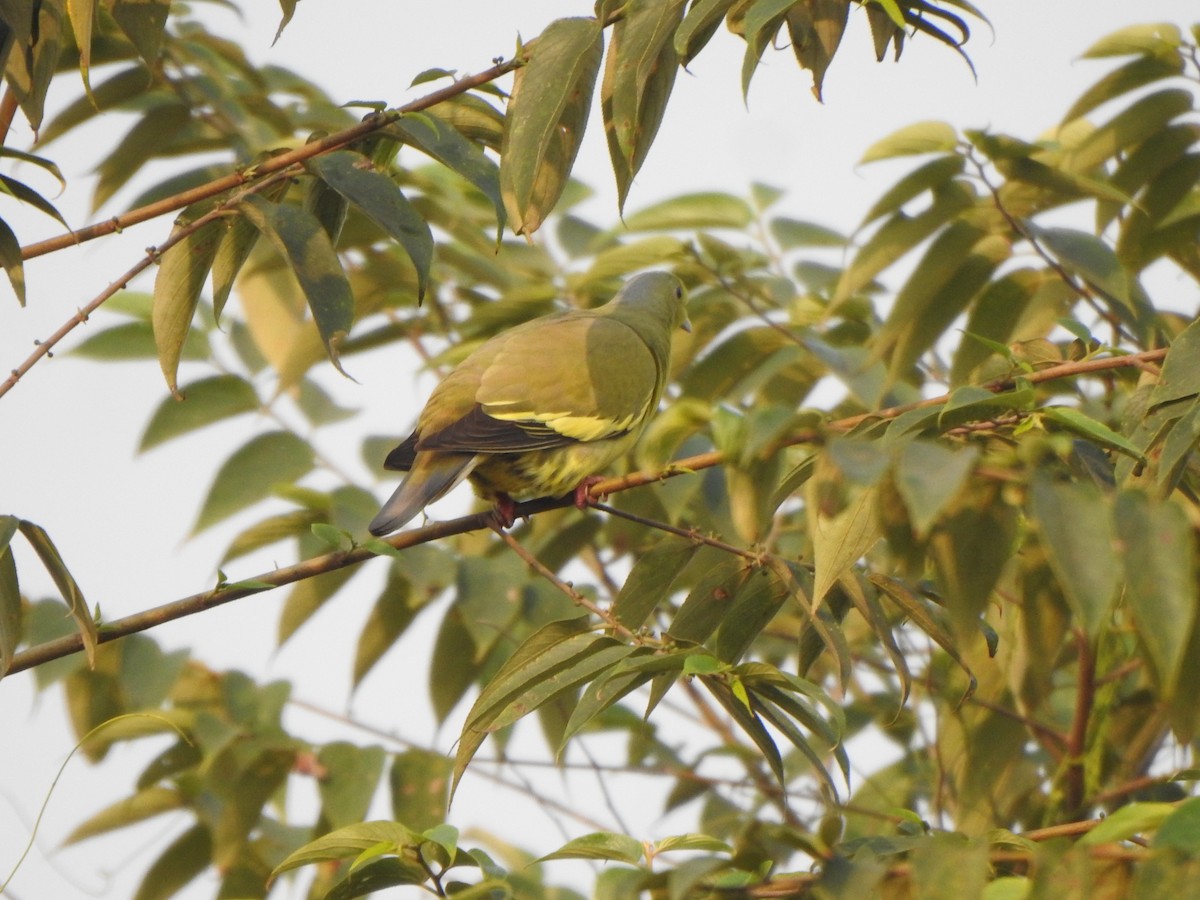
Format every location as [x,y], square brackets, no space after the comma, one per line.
[505,511]
[583,491]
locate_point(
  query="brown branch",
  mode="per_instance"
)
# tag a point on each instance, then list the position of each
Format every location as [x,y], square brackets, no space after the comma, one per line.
[153,254]
[65,646]
[335,141]
[573,595]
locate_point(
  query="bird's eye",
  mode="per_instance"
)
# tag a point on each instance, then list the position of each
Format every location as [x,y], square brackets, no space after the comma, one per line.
[678,293]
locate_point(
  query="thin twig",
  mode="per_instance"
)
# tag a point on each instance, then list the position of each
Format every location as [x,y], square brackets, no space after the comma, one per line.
[152,256]
[1085,695]
[577,598]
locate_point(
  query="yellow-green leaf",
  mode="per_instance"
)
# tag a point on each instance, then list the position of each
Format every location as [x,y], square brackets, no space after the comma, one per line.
[302,241]
[250,474]
[547,114]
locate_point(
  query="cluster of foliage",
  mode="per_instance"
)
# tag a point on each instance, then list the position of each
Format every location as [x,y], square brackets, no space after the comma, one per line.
[983,548]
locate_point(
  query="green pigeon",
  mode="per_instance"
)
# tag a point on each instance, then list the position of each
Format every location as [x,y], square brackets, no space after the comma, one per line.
[540,409]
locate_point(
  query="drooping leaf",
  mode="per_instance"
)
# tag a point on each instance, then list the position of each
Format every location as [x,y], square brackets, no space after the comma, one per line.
[816,29]
[698,26]
[11,613]
[68,588]
[143,22]
[547,113]
[182,272]
[383,202]
[638,77]
[249,475]
[446,144]
[10,259]
[302,241]
[183,860]
[761,20]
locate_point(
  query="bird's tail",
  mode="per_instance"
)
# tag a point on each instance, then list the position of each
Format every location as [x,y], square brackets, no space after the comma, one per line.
[432,476]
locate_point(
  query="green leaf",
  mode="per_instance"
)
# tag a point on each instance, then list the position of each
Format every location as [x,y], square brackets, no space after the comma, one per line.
[142,805]
[625,677]
[692,841]
[698,27]
[300,239]
[547,114]
[1129,821]
[1181,829]
[182,272]
[157,130]
[711,209]
[419,780]
[841,539]
[929,476]
[68,588]
[11,613]
[709,601]
[760,597]
[250,474]
[30,68]
[1158,554]
[929,176]
[1085,426]
[793,233]
[11,259]
[446,144]
[1159,39]
[816,30]
[1089,257]
[384,204]
[649,583]
[183,860]
[239,237]
[1180,375]
[198,404]
[1140,120]
[600,845]
[747,720]
[760,22]
[957,265]
[970,547]
[351,775]
[638,77]
[347,842]
[394,610]
[540,655]
[1135,74]
[143,22]
[1075,524]
[912,140]
[900,234]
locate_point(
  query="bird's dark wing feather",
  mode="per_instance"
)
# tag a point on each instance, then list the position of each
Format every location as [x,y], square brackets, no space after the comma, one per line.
[477,432]
[401,459]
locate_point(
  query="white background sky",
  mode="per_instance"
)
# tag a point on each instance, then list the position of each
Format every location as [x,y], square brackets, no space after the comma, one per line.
[69,431]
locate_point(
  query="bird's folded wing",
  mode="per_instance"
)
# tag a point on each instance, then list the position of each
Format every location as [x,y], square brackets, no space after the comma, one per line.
[585,379]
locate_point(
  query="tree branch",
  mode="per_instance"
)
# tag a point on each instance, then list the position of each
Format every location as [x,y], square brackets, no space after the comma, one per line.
[335,141]
[65,646]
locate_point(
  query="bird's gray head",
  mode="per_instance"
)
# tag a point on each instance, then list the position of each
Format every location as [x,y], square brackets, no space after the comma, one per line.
[660,294]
